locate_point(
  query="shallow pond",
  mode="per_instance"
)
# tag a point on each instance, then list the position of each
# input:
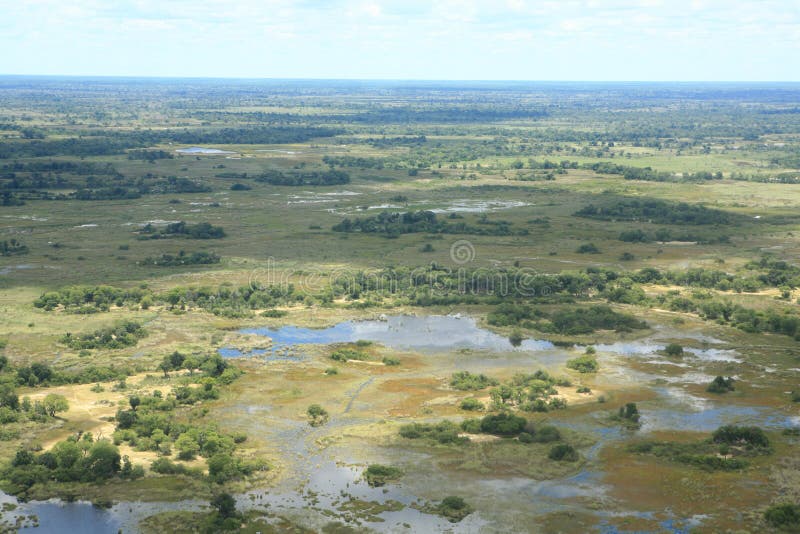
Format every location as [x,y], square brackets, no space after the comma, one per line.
[431,333]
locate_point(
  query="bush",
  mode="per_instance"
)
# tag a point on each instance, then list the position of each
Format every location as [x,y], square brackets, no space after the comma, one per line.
[343,355]
[674,350]
[525,437]
[466,381]
[784,516]
[454,509]
[546,434]
[444,432]
[741,435]
[588,248]
[721,385]
[472,404]
[584,364]
[503,424]
[317,415]
[377,475]
[563,453]
[391,361]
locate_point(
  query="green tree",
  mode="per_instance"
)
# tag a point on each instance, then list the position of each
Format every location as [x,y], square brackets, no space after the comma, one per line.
[225,505]
[187,447]
[54,403]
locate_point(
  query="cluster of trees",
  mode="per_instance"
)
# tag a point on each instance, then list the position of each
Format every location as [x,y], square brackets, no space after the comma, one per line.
[584,364]
[80,458]
[90,299]
[724,450]
[182,258]
[720,384]
[149,155]
[533,392]
[12,247]
[466,381]
[656,211]
[395,224]
[649,174]
[202,230]
[575,321]
[125,334]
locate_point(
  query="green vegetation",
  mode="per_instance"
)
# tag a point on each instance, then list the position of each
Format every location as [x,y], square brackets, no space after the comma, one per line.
[378,475]
[572,214]
[466,381]
[201,230]
[584,364]
[721,384]
[784,517]
[182,258]
[317,415]
[125,334]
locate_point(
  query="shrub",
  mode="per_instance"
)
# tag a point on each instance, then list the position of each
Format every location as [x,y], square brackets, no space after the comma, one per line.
[454,509]
[503,424]
[472,404]
[343,355]
[741,435]
[466,381]
[391,361]
[784,516]
[721,385]
[546,434]
[674,350]
[377,475]
[584,364]
[563,453]
[588,248]
[317,415]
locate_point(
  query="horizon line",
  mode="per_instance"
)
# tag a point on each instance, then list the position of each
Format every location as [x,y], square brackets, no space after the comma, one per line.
[425,80]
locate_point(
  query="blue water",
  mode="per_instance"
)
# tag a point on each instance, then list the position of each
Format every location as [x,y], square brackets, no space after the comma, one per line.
[427,333]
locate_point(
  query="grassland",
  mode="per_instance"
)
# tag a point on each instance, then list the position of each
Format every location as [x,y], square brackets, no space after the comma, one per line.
[474,157]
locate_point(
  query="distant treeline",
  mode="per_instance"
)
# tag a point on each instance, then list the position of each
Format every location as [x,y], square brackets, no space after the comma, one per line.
[273,177]
[105,142]
[657,211]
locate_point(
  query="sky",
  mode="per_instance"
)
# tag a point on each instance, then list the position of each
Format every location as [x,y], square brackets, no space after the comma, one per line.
[604,40]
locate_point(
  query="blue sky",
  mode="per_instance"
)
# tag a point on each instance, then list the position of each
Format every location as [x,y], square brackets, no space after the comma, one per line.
[711,40]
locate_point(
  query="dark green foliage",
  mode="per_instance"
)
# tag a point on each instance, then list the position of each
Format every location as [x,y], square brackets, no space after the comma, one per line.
[444,432]
[126,334]
[784,517]
[12,247]
[466,381]
[587,248]
[721,385]
[503,424]
[89,299]
[194,258]
[629,415]
[203,230]
[588,320]
[584,364]
[225,505]
[343,355]
[472,404]
[674,350]
[378,475]
[563,453]
[395,224]
[454,509]
[240,187]
[656,211]
[750,436]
